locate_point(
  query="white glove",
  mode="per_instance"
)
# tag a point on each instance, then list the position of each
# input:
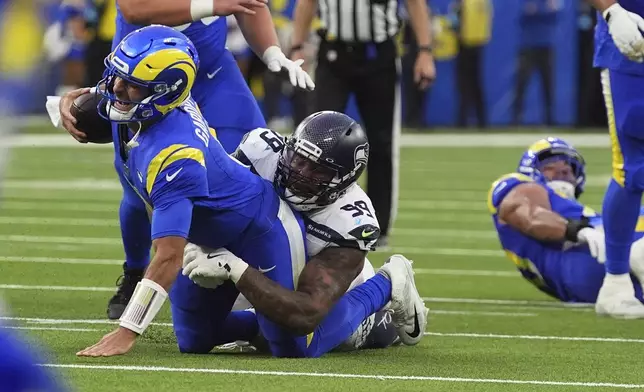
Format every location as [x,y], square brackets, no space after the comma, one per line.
[625,28]
[210,268]
[276,60]
[596,242]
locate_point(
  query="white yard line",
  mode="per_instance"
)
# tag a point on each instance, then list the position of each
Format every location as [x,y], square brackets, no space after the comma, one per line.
[49,329]
[536,337]
[49,221]
[481,313]
[460,140]
[59,260]
[381,377]
[53,288]
[553,304]
[457,272]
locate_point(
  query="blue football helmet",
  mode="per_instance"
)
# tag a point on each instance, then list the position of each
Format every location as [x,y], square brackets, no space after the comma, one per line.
[553,149]
[157,58]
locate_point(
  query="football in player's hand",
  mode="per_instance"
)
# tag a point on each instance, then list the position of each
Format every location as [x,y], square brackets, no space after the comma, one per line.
[90,122]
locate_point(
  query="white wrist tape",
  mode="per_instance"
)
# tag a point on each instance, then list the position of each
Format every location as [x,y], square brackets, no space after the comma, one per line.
[144,305]
[200,9]
[237,270]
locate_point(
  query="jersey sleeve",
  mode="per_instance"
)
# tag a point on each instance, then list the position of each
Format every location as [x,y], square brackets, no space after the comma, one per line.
[501,187]
[260,149]
[349,222]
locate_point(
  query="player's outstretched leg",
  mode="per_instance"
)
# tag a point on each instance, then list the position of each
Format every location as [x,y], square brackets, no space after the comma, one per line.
[410,312]
[622,201]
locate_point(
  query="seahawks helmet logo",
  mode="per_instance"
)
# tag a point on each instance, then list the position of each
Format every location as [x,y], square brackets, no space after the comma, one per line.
[361,154]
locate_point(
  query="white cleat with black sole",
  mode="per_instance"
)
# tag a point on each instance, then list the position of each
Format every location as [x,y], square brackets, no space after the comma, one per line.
[409,310]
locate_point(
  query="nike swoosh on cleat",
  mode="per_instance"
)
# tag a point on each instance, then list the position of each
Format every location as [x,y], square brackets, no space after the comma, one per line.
[414,334]
[367,233]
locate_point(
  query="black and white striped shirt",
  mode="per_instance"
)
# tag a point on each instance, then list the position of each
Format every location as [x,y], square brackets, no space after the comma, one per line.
[359,20]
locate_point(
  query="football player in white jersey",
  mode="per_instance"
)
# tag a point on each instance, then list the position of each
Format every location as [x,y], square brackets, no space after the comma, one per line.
[316,170]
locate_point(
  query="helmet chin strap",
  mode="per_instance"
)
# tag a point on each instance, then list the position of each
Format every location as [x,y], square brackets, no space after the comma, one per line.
[118,115]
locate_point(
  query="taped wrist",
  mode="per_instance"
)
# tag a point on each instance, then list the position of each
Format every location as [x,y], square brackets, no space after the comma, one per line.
[200,9]
[147,300]
[574,226]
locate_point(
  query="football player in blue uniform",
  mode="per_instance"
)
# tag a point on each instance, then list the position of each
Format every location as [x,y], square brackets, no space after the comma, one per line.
[220,91]
[556,242]
[192,189]
[316,170]
[619,52]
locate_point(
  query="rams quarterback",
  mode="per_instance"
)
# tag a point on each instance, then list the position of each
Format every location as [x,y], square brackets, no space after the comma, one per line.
[315,170]
[619,52]
[193,190]
[220,91]
[556,242]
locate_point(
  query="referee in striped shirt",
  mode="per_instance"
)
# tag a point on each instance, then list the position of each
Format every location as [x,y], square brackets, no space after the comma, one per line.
[358,54]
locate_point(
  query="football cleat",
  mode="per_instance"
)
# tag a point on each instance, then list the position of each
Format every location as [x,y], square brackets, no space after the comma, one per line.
[409,310]
[617,299]
[126,284]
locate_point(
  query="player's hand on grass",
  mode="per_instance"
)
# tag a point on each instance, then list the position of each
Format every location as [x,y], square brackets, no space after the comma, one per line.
[117,342]
[596,242]
[68,120]
[229,7]
[626,30]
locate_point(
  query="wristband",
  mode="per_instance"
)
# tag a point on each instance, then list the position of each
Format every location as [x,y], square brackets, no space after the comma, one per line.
[427,49]
[147,300]
[573,227]
[200,9]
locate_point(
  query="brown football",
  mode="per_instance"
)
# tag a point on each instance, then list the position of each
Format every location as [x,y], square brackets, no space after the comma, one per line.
[85,110]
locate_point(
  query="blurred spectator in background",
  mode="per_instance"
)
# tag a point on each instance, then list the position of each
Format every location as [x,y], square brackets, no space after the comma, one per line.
[65,42]
[472,20]
[591,111]
[537,26]
[100,22]
[413,96]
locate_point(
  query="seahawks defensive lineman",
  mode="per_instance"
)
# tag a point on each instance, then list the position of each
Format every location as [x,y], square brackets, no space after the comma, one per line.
[316,170]
[556,242]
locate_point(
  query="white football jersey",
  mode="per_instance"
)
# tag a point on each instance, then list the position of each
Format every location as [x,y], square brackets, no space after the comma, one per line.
[349,222]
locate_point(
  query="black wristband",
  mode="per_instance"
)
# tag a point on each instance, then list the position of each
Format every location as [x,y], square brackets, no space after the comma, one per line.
[427,49]
[573,227]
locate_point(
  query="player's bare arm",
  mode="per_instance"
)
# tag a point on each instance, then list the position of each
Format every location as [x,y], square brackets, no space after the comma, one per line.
[601,5]
[258,30]
[178,12]
[162,271]
[527,209]
[326,277]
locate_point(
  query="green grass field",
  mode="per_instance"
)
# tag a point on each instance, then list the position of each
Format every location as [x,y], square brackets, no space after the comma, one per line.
[489,329]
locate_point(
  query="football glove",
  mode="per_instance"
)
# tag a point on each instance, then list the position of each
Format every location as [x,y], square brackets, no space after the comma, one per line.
[626,30]
[210,268]
[596,242]
[277,61]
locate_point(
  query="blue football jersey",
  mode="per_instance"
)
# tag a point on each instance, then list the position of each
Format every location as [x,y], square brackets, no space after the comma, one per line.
[534,259]
[191,187]
[606,53]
